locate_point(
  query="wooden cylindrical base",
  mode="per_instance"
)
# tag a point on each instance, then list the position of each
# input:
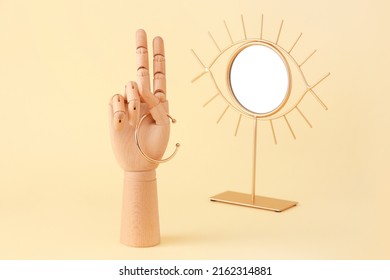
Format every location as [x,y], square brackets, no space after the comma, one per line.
[140,221]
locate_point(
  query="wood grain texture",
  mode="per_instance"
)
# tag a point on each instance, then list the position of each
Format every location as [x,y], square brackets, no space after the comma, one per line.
[140,220]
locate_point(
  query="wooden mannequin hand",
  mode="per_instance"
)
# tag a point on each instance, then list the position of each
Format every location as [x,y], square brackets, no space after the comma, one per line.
[125,111]
[140,222]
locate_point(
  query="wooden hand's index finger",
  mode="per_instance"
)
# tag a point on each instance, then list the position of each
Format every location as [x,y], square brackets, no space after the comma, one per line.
[159,74]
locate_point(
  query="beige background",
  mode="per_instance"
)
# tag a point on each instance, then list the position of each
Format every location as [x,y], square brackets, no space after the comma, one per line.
[60,187]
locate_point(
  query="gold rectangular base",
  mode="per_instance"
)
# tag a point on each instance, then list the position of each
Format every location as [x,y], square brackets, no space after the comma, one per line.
[260,202]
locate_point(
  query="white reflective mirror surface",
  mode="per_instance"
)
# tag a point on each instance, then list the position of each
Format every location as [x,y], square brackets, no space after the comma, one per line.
[259,79]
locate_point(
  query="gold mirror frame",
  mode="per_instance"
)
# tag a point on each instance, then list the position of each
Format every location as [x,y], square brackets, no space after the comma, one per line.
[229,85]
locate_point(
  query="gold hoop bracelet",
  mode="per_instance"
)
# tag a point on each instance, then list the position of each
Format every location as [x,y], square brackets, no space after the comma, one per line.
[141,150]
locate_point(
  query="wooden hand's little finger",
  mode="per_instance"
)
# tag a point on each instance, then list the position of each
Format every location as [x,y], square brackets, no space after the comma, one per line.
[118,111]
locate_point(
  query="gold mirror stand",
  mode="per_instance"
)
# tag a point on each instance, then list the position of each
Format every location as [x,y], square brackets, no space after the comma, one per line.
[253,200]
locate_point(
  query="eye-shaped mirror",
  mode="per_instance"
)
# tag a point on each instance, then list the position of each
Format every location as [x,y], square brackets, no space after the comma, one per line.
[258,86]
[259,79]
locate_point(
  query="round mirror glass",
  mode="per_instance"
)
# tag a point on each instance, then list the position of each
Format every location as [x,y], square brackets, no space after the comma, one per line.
[259,79]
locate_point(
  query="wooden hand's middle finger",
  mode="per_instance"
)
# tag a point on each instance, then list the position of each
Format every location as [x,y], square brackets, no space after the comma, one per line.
[141,47]
[142,60]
